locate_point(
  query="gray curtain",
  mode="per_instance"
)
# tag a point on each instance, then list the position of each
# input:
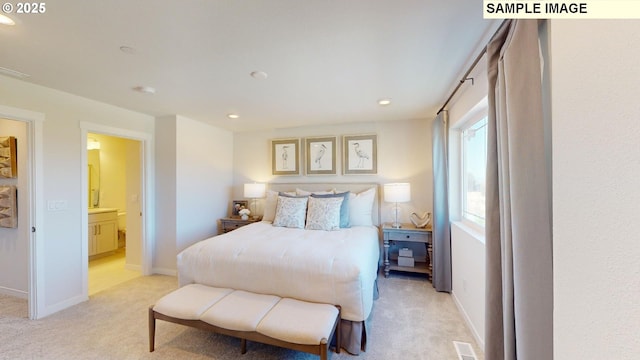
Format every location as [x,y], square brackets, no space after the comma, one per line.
[519,277]
[441,228]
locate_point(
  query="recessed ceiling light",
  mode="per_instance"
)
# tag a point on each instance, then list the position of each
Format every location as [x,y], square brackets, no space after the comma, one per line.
[233,116]
[145,89]
[127,50]
[261,75]
[384,102]
[5,20]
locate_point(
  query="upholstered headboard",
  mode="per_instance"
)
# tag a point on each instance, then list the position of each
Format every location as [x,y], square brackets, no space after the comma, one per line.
[353,187]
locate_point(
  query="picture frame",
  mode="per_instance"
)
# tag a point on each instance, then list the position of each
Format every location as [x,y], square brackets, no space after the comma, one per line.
[320,155]
[360,154]
[8,159]
[285,157]
[237,205]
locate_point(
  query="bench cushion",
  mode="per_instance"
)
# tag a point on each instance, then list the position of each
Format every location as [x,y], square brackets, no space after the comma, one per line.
[240,310]
[190,301]
[299,322]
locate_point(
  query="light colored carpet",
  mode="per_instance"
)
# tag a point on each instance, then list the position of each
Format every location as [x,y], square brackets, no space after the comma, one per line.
[409,321]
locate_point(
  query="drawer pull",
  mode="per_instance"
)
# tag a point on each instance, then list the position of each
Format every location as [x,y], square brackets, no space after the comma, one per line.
[408,236]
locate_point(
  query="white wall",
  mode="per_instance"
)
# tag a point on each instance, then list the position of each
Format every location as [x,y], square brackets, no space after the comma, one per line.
[404,155]
[14,243]
[467,245]
[193,183]
[166,210]
[596,187]
[205,176]
[60,236]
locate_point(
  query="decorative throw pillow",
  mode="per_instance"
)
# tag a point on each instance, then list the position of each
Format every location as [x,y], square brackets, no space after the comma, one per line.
[270,205]
[344,207]
[324,213]
[361,208]
[291,212]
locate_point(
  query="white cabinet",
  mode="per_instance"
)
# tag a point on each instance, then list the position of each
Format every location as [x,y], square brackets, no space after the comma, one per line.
[103,232]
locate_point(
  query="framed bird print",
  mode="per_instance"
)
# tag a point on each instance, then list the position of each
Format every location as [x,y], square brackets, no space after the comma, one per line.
[285,157]
[360,154]
[320,155]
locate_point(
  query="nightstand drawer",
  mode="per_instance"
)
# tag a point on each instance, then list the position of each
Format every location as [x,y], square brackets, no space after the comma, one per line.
[228,226]
[399,235]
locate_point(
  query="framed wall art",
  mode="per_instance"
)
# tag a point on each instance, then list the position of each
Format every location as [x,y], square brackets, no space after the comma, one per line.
[8,160]
[320,155]
[238,205]
[285,157]
[360,154]
[8,206]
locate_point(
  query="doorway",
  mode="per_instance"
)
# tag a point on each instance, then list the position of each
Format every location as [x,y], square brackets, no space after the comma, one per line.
[114,222]
[134,180]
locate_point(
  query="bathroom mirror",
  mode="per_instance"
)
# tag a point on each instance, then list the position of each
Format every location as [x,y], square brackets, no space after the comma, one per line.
[93,160]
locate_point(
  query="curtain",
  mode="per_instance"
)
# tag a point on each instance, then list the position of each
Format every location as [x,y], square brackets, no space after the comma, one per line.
[441,228]
[519,277]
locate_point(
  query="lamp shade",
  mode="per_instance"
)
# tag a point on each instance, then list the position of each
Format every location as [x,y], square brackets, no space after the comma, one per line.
[254,191]
[397,192]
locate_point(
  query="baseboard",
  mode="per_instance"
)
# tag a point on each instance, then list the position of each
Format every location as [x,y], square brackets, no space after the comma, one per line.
[467,320]
[164,271]
[137,268]
[49,310]
[13,292]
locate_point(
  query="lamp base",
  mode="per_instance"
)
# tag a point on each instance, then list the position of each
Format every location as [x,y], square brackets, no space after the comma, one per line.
[396,225]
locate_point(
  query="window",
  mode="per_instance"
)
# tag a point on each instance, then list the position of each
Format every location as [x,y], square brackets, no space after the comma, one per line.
[474,165]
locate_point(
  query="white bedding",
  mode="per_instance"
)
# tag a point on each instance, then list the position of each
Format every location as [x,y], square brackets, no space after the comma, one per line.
[334,267]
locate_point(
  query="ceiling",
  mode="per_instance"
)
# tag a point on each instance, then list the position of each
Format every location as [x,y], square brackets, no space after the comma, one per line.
[327,62]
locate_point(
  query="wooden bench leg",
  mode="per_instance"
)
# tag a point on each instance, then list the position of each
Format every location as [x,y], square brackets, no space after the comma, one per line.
[152,329]
[243,346]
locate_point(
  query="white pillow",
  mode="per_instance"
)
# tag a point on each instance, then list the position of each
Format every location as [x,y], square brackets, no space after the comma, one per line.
[361,208]
[324,213]
[291,212]
[270,205]
[301,192]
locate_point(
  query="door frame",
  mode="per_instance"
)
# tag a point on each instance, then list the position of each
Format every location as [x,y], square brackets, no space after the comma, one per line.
[147,199]
[34,172]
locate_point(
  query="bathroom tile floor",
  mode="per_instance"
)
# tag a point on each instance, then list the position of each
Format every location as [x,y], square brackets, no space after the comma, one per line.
[109,271]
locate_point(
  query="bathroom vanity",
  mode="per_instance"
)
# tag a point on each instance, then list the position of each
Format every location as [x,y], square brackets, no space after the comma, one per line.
[103,230]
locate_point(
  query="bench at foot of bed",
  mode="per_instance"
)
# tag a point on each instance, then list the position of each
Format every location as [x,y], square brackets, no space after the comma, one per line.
[267,319]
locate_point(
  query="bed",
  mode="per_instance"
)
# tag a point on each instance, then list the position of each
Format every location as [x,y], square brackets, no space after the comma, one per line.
[337,267]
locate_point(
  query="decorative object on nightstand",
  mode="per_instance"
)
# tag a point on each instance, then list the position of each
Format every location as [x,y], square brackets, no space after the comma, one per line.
[397,193]
[244,214]
[420,221]
[229,224]
[254,191]
[404,259]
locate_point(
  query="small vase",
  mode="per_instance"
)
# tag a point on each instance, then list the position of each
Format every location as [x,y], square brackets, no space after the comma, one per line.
[245,217]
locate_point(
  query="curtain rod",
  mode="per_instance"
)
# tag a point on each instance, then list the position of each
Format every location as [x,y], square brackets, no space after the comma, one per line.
[473,65]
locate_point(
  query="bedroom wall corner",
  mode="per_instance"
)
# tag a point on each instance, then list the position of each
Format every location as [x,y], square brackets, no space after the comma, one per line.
[204,179]
[165,174]
[194,175]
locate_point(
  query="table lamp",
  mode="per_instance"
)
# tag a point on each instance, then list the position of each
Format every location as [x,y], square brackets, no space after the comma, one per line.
[254,191]
[397,193]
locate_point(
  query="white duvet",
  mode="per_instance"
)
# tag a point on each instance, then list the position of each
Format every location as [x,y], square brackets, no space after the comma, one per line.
[333,267]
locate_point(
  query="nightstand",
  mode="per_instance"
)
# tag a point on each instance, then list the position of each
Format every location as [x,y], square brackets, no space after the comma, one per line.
[228,224]
[407,233]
